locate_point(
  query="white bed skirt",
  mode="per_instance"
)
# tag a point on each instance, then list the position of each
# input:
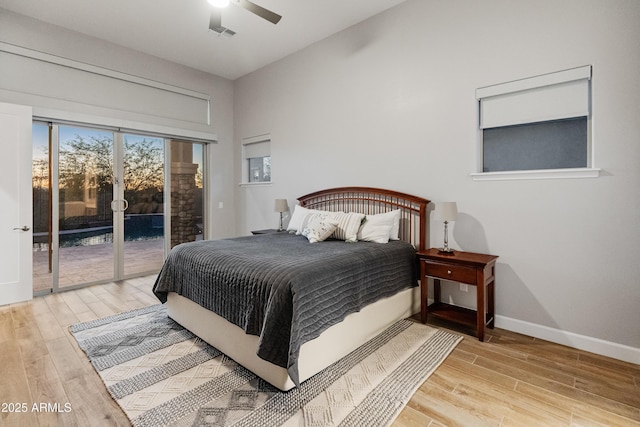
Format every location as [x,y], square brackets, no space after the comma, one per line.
[315,355]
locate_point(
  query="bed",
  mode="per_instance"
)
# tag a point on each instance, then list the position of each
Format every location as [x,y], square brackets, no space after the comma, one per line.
[286,305]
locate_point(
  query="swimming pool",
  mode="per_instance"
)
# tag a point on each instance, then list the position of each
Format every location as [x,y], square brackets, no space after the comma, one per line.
[99,237]
[137,227]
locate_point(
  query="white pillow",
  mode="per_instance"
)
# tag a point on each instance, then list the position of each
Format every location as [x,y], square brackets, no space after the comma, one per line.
[299,213]
[319,227]
[348,226]
[376,228]
[394,234]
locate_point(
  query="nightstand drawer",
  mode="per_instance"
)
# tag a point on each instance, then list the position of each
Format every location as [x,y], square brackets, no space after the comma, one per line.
[451,272]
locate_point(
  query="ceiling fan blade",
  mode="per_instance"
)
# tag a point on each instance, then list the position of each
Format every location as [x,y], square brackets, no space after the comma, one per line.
[270,16]
[215,22]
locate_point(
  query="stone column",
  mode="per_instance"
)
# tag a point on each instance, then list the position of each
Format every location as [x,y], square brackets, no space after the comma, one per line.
[183,193]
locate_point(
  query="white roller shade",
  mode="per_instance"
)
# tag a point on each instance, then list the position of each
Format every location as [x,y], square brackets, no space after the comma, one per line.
[53,82]
[257,149]
[554,96]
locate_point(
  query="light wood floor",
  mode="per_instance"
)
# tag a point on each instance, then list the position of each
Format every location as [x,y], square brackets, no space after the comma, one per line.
[508,380]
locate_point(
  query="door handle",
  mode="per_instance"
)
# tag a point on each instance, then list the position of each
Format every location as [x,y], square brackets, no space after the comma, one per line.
[23,228]
[124,205]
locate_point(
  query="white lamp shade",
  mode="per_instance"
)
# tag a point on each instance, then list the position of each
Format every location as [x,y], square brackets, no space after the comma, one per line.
[281,205]
[446,211]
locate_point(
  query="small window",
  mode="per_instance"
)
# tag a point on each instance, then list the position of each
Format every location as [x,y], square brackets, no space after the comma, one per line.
[536,123]
[257,159]
[556,144]
[260,169]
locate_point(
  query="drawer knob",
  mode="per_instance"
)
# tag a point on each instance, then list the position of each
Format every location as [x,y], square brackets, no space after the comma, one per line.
[448,271]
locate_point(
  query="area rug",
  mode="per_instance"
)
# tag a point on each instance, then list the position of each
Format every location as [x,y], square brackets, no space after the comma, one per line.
[162,375]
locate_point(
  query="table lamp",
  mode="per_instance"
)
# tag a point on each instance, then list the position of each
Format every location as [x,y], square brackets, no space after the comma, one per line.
[281,206]
[446,211]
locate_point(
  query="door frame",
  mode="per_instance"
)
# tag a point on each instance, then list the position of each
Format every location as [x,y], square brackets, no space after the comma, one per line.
[117,206]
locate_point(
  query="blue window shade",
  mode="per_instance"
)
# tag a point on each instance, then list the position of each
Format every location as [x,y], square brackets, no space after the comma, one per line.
[557,144]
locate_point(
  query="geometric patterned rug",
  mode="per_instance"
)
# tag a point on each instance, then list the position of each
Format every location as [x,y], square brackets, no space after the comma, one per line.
[162,375]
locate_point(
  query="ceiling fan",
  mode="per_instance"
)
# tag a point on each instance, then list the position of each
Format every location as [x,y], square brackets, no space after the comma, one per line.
[215,22]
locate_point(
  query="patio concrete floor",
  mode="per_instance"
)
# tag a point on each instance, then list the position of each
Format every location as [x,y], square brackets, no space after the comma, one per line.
[89,264]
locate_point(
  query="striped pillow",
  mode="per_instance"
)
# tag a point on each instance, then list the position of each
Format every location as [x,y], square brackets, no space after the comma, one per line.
[348,226]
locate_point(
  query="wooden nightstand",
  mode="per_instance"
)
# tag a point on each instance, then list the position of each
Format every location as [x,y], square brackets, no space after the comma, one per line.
[464,267]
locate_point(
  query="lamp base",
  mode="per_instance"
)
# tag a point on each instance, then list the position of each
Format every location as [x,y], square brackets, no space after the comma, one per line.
[281,227]
[446,251]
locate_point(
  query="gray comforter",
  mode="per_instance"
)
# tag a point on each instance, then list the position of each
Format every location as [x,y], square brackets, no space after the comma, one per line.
[283,288]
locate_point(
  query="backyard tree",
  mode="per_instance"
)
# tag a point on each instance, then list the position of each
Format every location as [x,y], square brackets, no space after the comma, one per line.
[85,162]
[86,172]
[144,175]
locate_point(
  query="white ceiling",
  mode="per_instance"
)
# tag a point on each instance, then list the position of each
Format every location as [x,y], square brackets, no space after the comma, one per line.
[178,30]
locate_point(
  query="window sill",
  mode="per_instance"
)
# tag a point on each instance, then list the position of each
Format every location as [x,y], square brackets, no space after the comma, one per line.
[537,174]
[255,184]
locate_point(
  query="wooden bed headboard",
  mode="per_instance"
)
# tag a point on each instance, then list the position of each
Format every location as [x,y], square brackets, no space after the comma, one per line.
[371,201]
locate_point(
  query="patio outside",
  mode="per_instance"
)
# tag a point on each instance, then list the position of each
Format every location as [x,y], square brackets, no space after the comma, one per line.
[88,264]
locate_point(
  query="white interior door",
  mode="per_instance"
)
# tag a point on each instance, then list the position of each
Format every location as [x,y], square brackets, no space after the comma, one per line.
[15,200]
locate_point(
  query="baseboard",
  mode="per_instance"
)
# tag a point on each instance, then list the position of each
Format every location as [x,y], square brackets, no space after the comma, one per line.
[582,342]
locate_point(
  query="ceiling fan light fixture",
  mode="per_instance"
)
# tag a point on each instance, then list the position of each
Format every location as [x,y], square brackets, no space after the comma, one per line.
[219,3]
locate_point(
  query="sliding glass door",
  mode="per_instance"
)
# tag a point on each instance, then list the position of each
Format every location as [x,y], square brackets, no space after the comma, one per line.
[187,192]
[41,181]
[99,204]
[143,198]
[85,200]
[72,179]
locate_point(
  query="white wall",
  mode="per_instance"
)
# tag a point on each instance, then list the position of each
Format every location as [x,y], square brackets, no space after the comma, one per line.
[390,103]
[32,34]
